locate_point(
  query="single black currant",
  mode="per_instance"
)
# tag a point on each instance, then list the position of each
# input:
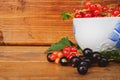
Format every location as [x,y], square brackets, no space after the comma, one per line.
[103,62]
[96,56]
[82,69]
[87,52]
[64,61]
[75,61]
[83,63]
[48,57]
[89,62]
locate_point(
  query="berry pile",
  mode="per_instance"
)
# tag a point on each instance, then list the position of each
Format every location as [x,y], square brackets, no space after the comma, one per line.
[96,10]
[70,56]
[63,57]
[89,57]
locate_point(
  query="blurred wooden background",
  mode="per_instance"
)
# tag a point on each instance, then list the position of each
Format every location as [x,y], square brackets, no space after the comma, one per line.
[38,22]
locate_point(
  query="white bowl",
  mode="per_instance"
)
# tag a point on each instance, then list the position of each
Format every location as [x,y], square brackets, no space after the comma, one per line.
[97,33]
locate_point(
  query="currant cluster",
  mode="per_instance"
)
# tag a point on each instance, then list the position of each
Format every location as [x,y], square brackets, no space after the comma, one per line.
[70,56]
[82,63]
[64,56]
[96,10]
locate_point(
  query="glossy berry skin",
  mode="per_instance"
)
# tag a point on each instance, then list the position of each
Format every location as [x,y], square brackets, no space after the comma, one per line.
[115,13]
[82,69]
[87,4]
[96,13]
[83,63]
[49,57]
[73,49]
[103,62]
[71,55]
[74,61]
[63,61]
[89,62]
[66,50]
[104,8]
[88,15]
[77,15]
[87,52]
[96,56]
[93,7]
[53,57]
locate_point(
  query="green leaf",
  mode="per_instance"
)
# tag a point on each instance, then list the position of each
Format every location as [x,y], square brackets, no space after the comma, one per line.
[60,44]
[66,15]
[113,54]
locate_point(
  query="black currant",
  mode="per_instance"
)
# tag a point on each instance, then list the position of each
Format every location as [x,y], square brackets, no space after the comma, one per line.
[48,57]
[64,61]
[89,62]
[82,69]
[87,52]
[75,61]
[83,63]
[96,56]
[103,62]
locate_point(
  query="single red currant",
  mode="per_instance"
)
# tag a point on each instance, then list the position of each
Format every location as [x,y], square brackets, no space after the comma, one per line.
[53,57]
[73,49]
[88,14]
[96,13]
[93,7]
[78,15]
[66,53]
[87,4]
[104,8]
[115,13]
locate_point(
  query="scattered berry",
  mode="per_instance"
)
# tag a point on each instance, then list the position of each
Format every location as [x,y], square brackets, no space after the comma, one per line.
[103,62]
[49,57]
[87,52]
[82,69]
[64,61]
[75,61]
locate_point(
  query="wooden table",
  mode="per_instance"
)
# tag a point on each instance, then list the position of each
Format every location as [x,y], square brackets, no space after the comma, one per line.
[29,63]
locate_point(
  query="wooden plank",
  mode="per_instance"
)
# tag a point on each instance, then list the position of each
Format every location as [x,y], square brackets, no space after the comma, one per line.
[23,53]
[44,71]
[30,63]
[24,22]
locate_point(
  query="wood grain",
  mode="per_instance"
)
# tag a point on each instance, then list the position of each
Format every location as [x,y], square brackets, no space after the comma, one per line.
[37,22]
[29,63]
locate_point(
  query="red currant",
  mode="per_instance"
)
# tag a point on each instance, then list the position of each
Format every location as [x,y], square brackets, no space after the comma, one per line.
[115,13]
[76,10]
[104,8]
[71,55]
[73,49]
[93,7]
[87,4]
[60,54]
[78,15]
[98,6]
[53,57]
[88,14]
[66,48]
[66,53]
[96,13]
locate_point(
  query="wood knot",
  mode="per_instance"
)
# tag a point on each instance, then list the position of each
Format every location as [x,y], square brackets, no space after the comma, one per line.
[1,38]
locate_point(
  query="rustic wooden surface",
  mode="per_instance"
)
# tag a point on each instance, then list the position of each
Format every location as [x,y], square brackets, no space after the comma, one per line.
[37,22]
[29,63]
